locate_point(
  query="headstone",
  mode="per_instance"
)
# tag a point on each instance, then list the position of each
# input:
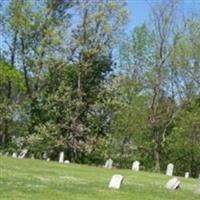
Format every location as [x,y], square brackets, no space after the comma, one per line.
[116,181]
[197,191]
[44,156]
[32,156]
[136,166]
[170,168]
[173,184]
[23,153]
[61,157]
[48,159]
[108,163]
[67,162]
[187,174]
[14,155]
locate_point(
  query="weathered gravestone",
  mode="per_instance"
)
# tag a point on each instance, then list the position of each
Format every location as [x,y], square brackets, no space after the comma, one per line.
[108,163]
[67,162]
[23,153]
[48,159]
[187,174]
[116,181]
[14,155]
[44,156]
[32,156]
[173,184]
[61,157]
[170,169]
[136,166]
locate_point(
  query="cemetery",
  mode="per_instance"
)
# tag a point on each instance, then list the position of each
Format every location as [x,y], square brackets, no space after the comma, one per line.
[39,179]
[99,99]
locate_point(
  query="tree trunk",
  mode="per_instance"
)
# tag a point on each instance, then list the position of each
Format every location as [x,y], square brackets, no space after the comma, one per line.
[157,151]
[157,159]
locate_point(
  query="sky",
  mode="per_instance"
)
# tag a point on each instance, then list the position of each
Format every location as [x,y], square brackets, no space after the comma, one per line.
[139,10]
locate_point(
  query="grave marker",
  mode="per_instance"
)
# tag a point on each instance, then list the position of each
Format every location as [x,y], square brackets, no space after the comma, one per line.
[14,155]
[187,174]
[61,157]
[116,181]
[108,163]
[136,166]
[173,184]
[170,169]
[23,153]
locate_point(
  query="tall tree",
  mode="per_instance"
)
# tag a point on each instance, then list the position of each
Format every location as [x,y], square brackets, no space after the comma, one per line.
[75,83]
[162,104]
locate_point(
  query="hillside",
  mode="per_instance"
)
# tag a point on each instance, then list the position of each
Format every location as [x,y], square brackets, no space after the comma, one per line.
[41,180]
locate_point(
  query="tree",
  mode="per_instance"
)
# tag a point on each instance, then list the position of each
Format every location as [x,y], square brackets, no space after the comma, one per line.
[146,59]
[63,91]
[162,102]
[183,143]
[10,103]
[92,40]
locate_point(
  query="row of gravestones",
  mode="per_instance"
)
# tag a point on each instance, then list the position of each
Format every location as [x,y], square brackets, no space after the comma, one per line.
[170,169]
[172,184]
[60,159]
[136,167]
[23,153]
[108,164]
[117,180]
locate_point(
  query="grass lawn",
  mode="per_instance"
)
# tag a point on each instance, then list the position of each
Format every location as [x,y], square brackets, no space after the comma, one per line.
[41,180]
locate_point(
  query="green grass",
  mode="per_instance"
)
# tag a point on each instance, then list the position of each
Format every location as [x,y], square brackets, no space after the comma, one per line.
[41,180]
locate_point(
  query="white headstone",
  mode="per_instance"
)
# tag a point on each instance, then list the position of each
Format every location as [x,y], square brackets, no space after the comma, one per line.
[170,169]
[23,153]
[108,163]
[136,166]
[187,174]
[116,181]
[48,159]
[14,155]
[61,157]
[67,162]
[32,157]
[173,184]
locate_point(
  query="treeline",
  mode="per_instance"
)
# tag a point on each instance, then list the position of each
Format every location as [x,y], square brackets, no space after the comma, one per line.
[63,86]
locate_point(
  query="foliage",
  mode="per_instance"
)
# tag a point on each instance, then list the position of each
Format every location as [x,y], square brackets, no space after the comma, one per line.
[183,143]
[63,88]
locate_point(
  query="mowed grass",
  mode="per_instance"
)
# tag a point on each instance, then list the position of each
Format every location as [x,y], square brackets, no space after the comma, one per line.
[41,180]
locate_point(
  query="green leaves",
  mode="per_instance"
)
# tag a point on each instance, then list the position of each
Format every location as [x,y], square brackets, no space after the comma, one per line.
[8,73]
